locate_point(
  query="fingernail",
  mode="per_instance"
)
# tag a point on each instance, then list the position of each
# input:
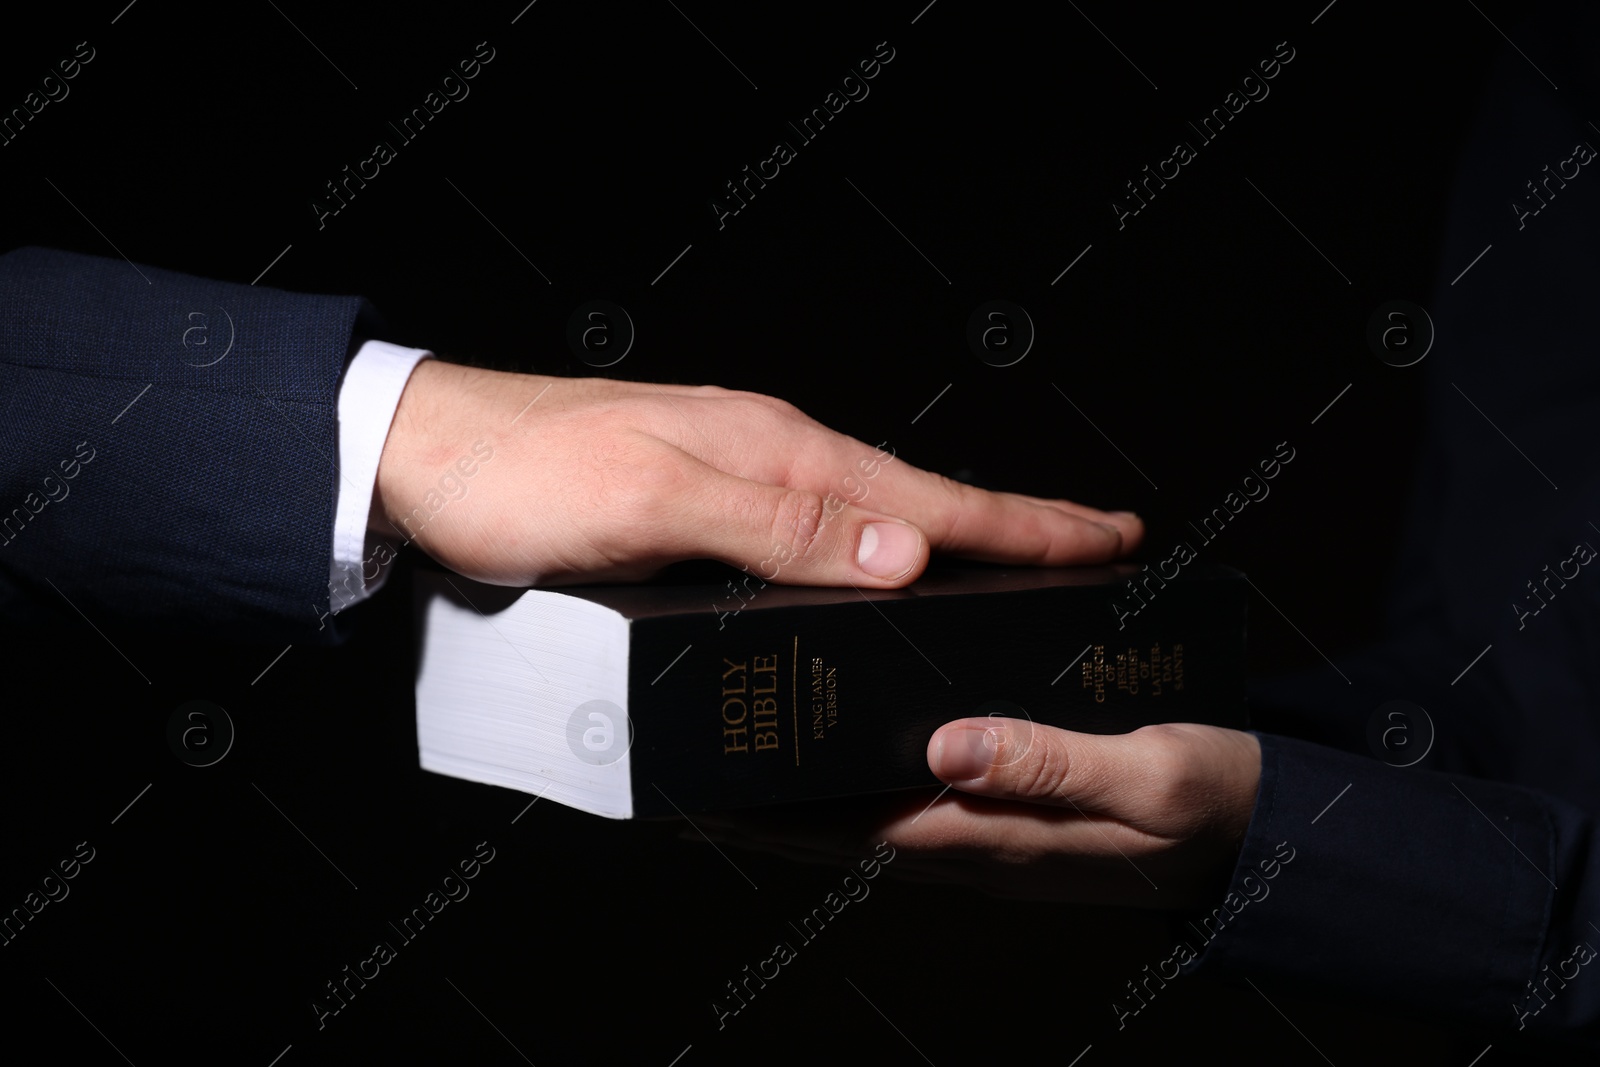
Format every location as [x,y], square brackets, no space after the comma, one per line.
[1130,515]
[888,549]
[1108,528]
[966,753]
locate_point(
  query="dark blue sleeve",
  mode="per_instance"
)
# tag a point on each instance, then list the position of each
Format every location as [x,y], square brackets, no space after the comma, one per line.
[1450,896]
[1473,895]
[169,447]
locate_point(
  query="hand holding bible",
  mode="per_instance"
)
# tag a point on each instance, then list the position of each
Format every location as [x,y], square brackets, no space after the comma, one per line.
[1153,818]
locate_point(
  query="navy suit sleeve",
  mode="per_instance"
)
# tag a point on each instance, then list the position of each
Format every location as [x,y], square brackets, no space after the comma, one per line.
[169,447]
[1470,897]
[1459,898]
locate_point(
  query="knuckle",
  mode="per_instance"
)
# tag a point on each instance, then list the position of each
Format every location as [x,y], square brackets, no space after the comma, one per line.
[1172,773]
[797,522]
[773,433]
[957,493]
[953,502]
[771,403]
[779,418]
[744,397]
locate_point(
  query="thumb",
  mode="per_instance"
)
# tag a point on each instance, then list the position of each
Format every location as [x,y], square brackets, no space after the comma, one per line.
[795,537]
[1016,759]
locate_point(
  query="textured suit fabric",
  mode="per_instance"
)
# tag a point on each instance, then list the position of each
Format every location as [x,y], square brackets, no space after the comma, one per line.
[208,500]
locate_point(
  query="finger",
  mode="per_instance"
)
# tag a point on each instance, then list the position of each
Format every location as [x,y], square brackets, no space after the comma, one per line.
[968,521]
[1004,527]
[1148,776]
[792,536]
[1002,831]
[1128,524]
[772,441]
[1000,847]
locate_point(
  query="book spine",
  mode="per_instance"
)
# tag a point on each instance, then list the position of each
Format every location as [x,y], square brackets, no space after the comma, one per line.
[798,703]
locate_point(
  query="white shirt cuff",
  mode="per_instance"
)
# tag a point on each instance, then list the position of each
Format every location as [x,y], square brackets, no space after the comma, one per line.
[368,398]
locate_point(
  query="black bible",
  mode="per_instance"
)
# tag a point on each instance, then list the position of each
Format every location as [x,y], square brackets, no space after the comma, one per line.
[634,701]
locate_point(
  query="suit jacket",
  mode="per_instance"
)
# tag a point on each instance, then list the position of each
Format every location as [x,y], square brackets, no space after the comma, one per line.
[170,446]
[1413,884]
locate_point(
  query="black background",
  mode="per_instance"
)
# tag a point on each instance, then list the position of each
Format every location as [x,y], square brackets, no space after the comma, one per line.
[1196,338]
